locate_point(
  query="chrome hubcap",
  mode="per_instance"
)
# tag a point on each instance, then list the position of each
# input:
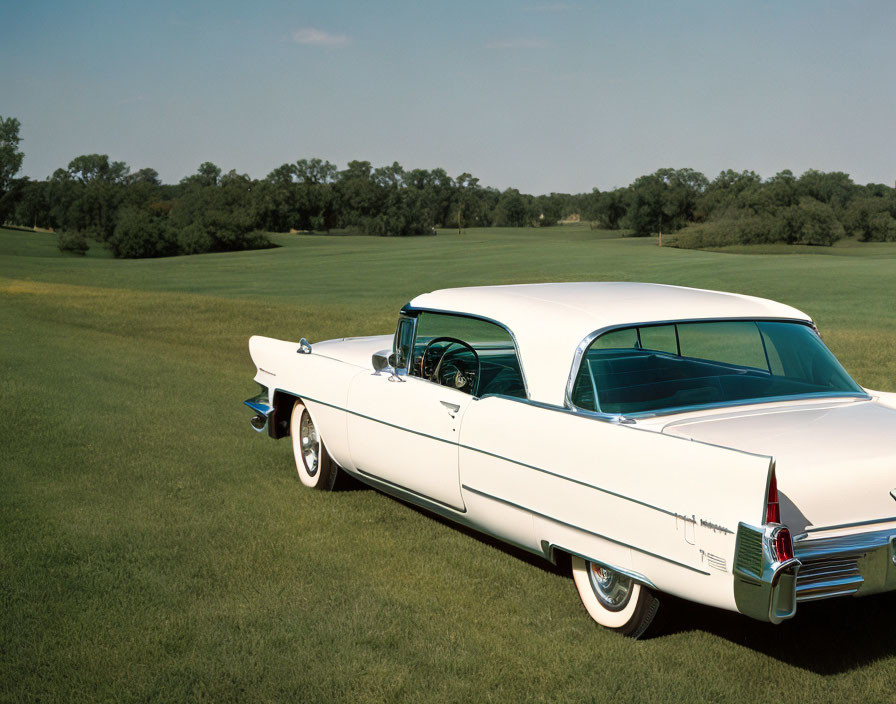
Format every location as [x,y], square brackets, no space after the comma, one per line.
[612,589]
[310,444]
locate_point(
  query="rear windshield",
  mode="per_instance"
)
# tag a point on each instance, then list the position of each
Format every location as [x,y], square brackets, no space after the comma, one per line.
[656,368]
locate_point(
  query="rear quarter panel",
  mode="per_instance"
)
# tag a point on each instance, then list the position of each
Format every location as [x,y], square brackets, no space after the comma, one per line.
[658,506]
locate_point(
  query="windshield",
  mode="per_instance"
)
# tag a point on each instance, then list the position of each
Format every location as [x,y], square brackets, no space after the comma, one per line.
[655,368]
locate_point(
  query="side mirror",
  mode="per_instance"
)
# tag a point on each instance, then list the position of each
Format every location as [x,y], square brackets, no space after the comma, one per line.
[380,361]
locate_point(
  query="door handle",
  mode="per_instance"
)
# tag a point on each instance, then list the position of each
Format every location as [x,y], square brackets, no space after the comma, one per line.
[453,408]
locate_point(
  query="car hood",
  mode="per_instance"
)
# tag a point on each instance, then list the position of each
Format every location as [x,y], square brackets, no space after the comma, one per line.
[353,350]
[835,462]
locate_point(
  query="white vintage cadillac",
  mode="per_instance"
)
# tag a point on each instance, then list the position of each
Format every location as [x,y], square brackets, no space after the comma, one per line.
[663,439]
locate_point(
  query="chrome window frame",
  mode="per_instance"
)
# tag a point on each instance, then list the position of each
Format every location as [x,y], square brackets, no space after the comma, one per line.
[412,311]
[402,316]
[633,417]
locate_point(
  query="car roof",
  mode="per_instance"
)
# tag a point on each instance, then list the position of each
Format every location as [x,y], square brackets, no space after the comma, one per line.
[550,320]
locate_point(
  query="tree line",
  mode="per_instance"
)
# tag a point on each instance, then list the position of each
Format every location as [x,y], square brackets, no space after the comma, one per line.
[135,215]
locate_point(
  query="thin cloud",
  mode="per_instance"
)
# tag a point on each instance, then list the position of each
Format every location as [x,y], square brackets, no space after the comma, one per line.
[548,7]
[517,43]
[318,37]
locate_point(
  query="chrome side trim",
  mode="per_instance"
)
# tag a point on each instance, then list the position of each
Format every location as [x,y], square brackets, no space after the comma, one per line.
[407,309]
[624,422]
[633,417]
[871,522]
[637,576]
[438,509]
[501,457]
[538,404]
[571,480]
[584,530]
[617,417]
[409,492]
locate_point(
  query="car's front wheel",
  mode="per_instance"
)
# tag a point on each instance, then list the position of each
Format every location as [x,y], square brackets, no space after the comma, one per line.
[613,599]
[316,468]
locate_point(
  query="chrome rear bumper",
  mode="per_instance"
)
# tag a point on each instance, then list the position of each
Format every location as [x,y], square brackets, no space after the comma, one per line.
[764,587]
[822,568]
[858,564]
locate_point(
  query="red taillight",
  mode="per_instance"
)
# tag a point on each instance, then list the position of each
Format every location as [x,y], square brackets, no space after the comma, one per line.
[783,545]
[772,508]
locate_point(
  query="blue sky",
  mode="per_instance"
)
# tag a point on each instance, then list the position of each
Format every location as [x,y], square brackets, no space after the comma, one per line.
[543,96]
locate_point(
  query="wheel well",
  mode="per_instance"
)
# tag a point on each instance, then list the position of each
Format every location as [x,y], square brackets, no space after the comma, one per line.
[278,423]
[557,556]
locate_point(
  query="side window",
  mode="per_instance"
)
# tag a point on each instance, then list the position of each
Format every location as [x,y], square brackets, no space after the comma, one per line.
[470,354]
[737,343]
[683,365]
[659,337]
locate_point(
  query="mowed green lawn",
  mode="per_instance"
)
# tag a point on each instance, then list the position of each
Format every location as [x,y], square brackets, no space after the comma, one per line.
[154,548]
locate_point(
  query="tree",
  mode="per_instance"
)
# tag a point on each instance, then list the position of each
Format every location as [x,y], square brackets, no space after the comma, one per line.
[547,210]
[33,205]
[10,154]
[10,163]
[611,208]
[782,189]
[512,209]
[834,188]
[316,199]
[664,201]
[647,204]
[356,195]
[871,219]
[724,191]
[206,175]
[86,196]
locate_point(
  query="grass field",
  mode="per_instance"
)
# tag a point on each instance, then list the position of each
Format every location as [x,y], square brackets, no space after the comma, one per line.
[154,548]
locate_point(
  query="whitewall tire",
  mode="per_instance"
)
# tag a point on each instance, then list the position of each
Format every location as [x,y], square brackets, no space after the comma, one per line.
[315,467]
[613,600]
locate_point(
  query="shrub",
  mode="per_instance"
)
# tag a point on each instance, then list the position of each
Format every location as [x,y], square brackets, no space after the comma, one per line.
[257,239]
[139,235]
[72,241]
[881,228]
[193,239]
[809,222]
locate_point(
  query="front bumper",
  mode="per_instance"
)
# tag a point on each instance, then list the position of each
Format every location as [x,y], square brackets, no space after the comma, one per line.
[263,409]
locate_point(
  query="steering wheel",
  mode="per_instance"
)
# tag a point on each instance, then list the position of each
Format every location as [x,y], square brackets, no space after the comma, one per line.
[459,376]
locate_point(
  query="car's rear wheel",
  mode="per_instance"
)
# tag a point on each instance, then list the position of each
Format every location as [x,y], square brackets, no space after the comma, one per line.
[613,599]
[316,468]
